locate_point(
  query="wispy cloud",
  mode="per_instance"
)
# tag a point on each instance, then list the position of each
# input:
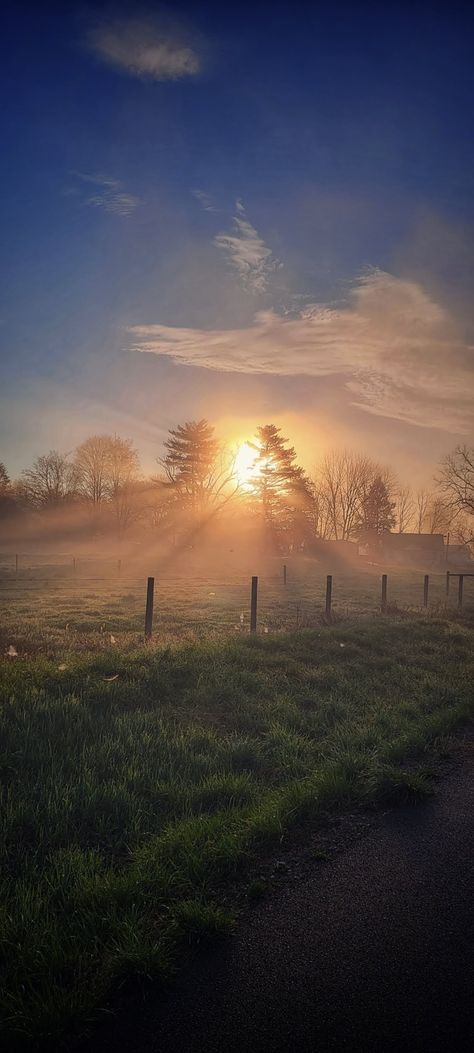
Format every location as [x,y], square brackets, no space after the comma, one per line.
[144,47]
[101,191]
[397,351]
[247,253]
[205,200]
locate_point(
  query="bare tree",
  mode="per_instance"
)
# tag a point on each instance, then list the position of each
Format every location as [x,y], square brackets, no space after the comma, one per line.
[92,462]
[421,502]
[439,515]
[404,508]
[50,481]
[108,474]
[123,483]
[456,479]
[344,480]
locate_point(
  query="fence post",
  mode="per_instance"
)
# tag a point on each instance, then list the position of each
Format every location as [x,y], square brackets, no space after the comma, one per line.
[149,609]
[447,582]
[119,567]
[328,595]
[253,605]
[425,590]
[384,593]
[284,573]
[16,564]
[460,590]
[74,564]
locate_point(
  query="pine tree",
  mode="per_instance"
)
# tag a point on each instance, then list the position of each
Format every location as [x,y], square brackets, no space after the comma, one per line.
[6,492]
[280,486]
[191,465]
[4,480]
[377,515]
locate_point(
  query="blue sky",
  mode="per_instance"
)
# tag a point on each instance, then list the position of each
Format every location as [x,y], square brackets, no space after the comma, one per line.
[274,202]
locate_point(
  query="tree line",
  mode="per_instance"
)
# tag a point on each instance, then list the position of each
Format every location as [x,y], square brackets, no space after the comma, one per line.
[347,497]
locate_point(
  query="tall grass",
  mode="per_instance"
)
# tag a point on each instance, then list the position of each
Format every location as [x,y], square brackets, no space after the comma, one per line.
[128,802]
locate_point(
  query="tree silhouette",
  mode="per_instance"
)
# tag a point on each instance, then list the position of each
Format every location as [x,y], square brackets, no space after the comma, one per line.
[198,473]
[456,479]
[7,498]
[281,487]
[105,464]
[4,480]
[377,515]
[50,481]
[344,480]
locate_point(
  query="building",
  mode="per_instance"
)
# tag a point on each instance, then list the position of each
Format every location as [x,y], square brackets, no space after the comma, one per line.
[414,549]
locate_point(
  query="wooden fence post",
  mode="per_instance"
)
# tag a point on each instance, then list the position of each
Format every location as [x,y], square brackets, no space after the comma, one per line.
[253,605]
[447,582]
[284,573]
[384,593]
[328,596]
[16,564]
[119,567]
[149,609]
[460,590]
[425,590]
[74,564]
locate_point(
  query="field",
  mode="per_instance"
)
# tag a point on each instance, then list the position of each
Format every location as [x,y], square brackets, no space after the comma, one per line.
[138,782]
[48,605]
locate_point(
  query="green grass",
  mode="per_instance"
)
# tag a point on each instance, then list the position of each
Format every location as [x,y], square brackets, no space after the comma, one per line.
[49,609]
[129,803]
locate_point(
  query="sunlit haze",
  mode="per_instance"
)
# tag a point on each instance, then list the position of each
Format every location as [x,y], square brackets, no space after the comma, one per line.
[206,216]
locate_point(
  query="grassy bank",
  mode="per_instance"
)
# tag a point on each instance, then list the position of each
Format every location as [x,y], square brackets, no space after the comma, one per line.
[135,783]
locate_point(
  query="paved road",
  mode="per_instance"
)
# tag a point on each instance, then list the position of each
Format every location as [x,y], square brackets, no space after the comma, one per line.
[372,950]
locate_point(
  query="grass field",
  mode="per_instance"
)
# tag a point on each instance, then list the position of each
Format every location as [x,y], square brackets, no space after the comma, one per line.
[46,608]
[136,783]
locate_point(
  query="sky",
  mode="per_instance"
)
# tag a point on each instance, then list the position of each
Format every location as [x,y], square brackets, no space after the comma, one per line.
[252,213]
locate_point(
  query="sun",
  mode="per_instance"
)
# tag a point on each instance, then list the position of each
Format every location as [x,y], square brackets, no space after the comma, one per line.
[244,469]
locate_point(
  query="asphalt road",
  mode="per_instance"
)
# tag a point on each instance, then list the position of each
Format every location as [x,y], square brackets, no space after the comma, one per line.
[372,950]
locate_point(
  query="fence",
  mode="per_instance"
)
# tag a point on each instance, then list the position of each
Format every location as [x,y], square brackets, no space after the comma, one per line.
[68,598]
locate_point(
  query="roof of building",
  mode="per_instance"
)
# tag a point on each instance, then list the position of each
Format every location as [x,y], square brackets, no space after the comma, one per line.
[424,541]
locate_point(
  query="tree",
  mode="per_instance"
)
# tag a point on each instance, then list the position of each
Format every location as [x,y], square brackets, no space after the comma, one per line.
[198,472]
[439,515]
[4,480]
[343,482]
[50,481]
[123,472]
[377,516]
[280,486]
[422,501]
[107,467]
[92,462]
[7,494]
[404,508]
[456,479]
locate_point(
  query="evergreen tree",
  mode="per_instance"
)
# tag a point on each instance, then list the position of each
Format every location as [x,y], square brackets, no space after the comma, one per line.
[4,481]
[7,502]
[378,511]
[283,491]
[193,468]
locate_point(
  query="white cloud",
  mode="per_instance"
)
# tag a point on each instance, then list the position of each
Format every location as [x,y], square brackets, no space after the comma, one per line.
[205,200]
[143,47]
[247,253]
[396,350]
[107,193]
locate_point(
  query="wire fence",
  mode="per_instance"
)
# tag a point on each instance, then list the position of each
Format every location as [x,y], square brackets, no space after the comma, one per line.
[61,597]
